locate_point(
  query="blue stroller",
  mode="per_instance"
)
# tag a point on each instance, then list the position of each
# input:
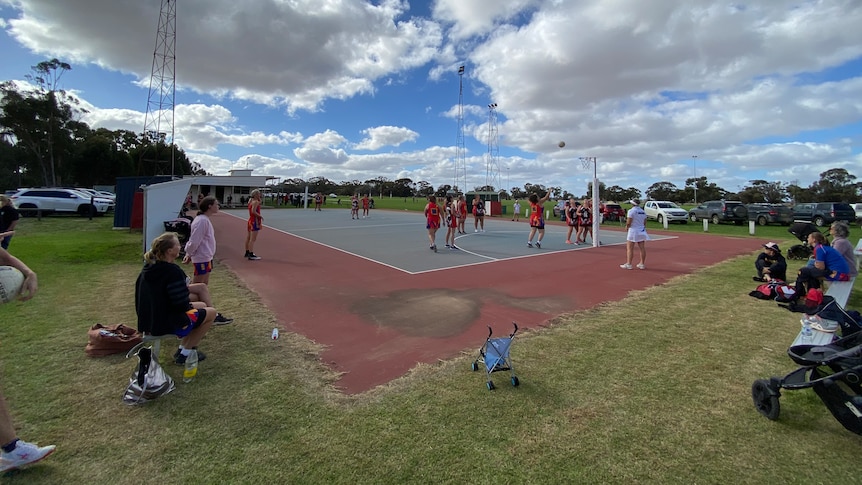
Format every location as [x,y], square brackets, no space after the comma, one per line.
[495,355]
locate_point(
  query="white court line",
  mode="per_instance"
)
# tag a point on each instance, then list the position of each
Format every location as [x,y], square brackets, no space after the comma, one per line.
[491,259]
[330,247]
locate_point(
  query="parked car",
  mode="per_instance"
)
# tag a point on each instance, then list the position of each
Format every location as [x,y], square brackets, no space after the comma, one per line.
[765,214]
[717,211]
[823,213]
[59,200]
[661,210]
[858,209]
[613,212]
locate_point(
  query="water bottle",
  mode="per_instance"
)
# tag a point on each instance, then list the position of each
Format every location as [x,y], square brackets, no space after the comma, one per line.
[807,333]
[191,369]
[275,333]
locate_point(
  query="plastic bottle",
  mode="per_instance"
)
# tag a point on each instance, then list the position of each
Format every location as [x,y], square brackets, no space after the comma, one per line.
[191,369]
[807,333]
[275,333]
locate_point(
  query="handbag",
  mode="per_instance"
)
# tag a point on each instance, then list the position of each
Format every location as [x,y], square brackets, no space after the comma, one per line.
[148,380]
[105,340]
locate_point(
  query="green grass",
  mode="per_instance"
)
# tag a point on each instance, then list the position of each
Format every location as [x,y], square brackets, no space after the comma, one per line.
[653,389]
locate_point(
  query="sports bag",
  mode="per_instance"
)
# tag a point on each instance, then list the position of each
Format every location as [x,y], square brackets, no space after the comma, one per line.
[105,340]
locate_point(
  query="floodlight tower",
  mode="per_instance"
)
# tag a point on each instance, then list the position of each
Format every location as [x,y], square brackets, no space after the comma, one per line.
[460,180]
[159,119]
[492,166]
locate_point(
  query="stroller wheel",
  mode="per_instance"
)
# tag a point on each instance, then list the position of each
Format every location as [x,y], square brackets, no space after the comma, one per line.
[765,399]
[474,366]
[491,386]
[515,381]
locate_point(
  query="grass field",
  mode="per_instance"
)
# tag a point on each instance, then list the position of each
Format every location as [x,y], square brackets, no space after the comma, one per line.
[652,389]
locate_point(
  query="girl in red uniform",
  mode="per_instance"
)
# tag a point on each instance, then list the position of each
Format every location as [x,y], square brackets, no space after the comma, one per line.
[451,214]
[537,218]
[433,216]
[462,214]
[255,223]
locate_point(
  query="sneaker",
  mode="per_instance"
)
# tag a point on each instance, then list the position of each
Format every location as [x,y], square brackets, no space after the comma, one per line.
[180,359]
[626,266]
[475,230]
[222,320]
[454,247]
[24,454]
[641,266]
[434,248]
[539,244]
[246,254]
[529,244]
[759,279]
[569,241]
[252,257]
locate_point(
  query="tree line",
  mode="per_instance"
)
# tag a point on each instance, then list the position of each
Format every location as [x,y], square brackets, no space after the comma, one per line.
[44,143]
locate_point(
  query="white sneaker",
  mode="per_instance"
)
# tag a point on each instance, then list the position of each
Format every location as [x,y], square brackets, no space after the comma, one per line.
[24,454]
[626,266]
[475,230]
[641,266]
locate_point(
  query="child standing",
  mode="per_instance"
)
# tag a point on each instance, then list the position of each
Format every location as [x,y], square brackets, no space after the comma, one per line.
[432,216]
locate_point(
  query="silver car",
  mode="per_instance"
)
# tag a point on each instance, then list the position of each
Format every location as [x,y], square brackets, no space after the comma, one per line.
[70,201]
[659,210]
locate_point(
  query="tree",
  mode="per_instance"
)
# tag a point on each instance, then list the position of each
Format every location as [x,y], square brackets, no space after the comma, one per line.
[763,191]
[663,191]
[41,119]
[835,185]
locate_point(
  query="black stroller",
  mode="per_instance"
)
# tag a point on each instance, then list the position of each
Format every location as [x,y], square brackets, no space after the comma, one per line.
[183,227]
[833,371]
[801,230]
[495,355]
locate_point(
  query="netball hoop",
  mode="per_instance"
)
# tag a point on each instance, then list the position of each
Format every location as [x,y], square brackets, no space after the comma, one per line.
[586,164]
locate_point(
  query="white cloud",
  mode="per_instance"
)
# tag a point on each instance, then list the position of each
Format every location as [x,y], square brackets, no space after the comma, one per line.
[381,136]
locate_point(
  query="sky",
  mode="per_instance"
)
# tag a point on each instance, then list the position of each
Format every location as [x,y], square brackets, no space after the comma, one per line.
[657,90]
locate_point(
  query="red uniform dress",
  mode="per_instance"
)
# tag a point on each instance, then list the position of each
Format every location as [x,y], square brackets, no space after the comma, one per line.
[432,214]
[254,220]
[451,216]
[537,218]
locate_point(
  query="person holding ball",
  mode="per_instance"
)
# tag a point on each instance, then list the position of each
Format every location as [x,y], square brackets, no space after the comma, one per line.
[16,453]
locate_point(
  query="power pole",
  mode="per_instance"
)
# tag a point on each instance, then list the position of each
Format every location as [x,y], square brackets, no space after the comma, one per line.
[159,119]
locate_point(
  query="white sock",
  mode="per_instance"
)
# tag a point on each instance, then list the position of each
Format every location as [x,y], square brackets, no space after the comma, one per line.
[186,352]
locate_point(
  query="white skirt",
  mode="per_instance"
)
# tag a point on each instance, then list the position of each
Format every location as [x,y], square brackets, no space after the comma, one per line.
[637,235]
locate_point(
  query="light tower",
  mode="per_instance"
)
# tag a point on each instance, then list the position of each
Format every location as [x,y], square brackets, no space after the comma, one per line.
[492,167]
[159,119]
[460,180]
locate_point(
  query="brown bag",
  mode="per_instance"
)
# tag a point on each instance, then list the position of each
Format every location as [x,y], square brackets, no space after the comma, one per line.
[110,339]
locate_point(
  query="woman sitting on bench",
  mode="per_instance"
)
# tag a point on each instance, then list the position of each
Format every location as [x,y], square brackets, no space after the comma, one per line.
[162,299]
[829,264]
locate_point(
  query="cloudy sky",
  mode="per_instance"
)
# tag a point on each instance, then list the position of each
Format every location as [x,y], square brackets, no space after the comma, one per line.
[358,89]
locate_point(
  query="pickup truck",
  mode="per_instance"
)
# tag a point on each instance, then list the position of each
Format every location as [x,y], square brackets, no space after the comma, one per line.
[764,214]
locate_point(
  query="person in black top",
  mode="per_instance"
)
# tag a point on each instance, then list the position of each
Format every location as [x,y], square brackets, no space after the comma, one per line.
[770,264]
[162,299]
[8,220]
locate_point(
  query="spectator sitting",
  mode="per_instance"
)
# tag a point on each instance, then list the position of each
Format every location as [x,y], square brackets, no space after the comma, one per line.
[770,264]
[162,299]
[828,264]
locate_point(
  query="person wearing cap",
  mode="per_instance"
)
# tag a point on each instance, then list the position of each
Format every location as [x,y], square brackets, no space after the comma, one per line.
[635,234]
[770,264]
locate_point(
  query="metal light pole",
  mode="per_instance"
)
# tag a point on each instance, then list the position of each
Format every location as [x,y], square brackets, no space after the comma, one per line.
[507,183]
[694,166]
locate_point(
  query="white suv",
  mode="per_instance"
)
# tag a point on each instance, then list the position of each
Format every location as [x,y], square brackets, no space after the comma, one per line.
[48,200]
[660,210]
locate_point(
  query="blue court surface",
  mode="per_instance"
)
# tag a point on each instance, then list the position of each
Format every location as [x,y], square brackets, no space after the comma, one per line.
[400,240]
